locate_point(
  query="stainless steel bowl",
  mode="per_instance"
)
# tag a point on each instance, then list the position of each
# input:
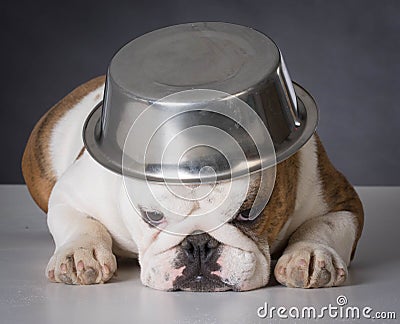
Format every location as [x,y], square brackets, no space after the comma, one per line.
[234,60]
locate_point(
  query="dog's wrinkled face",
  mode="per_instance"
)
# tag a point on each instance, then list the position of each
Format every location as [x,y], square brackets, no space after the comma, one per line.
[191,237]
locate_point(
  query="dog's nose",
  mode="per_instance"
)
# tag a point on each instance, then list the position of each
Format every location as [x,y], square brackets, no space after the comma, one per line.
[199,247]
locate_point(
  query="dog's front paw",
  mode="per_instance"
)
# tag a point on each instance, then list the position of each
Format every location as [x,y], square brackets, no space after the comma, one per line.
[82,262]
[310,265]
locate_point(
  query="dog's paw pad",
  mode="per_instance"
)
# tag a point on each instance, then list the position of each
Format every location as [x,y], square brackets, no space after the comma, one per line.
[310,265]
[89,276]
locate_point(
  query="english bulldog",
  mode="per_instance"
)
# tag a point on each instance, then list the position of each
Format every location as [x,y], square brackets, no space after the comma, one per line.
[311,224]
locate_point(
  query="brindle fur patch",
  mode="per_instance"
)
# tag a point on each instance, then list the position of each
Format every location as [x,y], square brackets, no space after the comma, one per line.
[265,228]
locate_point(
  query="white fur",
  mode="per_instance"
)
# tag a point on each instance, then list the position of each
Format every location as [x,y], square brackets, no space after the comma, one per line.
[67,133]
[97,196]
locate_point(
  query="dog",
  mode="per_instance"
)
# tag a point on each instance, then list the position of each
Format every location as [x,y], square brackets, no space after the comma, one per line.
[311,224]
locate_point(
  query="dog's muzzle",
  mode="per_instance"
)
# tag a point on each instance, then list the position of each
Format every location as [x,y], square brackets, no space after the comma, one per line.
[199,254]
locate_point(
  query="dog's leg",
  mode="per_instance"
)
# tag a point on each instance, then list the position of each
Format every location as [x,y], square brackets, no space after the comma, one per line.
[318,252]
[83,253]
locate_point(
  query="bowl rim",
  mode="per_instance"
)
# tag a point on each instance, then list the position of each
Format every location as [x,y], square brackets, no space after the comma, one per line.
[308,116]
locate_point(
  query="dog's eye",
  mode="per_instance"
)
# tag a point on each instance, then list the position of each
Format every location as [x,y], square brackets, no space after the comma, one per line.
[153,216]
[244,215]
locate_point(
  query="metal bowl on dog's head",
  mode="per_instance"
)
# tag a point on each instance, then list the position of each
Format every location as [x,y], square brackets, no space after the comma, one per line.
[198,102]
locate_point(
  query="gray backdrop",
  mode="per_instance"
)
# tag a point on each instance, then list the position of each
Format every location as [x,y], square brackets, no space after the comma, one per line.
[346,53]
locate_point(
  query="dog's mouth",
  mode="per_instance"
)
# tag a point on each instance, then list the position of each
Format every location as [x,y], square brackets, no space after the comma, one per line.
[201,283]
